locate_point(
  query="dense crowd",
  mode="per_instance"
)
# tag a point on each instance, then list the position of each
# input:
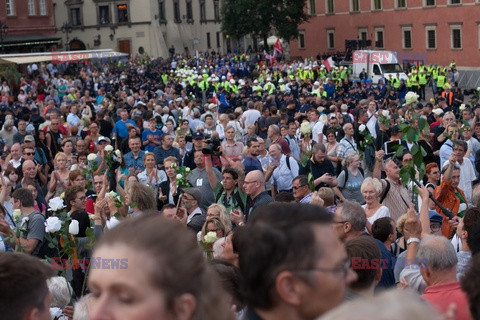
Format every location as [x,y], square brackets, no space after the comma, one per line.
[228,188]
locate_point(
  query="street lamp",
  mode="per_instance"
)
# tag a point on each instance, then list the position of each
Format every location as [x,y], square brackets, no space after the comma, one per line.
[66,28]
[3,32]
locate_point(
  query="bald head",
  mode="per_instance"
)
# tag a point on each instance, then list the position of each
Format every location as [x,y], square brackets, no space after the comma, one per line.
[29,169]
[254,183]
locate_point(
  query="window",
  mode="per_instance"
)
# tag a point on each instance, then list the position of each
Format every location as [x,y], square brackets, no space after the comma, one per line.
[161,10]
[75,17]
[376,5]
[363,34]
[176,11]
[355,5]
[379,38]
[122,13]
[10,8]
[331,39]
[103,15]
[209,43]
[216,10]
[218,39]
[312,6]
[456,36]
[329,7]
[203,14]
[407,37]
[31,7]
[401,4]
[431,35]
[43,7]
[189,10]
[454,1]
[429,3]
[301,40]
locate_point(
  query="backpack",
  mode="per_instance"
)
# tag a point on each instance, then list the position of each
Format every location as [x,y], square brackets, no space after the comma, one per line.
[47,249]
[344,169]
[235,196]
[387,188]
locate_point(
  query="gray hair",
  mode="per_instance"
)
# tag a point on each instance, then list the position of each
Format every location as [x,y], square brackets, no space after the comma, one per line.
[346,125]
[349,158]
[275,129]
[81,308]
[353,212]
[60,290]
[374,182]
[437,253]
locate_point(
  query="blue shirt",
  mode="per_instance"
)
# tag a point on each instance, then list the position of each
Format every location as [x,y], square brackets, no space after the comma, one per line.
[135,163]
[252,163]
[121,128]
[157,135]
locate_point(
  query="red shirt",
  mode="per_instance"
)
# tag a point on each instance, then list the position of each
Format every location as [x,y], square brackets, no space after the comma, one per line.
[284,144]
[442,295]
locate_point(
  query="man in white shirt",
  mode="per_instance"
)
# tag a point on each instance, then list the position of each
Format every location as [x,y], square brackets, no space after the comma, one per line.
[316,124]
[251,115]
[284,169]
[73,119]
[467,172]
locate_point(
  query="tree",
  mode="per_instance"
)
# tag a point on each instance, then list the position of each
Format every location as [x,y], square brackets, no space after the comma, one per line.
[260,17]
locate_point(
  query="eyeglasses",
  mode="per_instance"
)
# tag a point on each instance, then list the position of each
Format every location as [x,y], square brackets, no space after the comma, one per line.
[298,187]
[28,153]
[248,182]
[188,199]
[343,269]
[81,198]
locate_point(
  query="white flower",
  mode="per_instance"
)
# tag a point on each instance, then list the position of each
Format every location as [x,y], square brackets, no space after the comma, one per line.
[174,165]
[187,169]
[478,88]
[92,157]
[462,107]
[118,153]
[73,228]
[112,223]
[210,237]
[56,204]
[362,128]
[112,194]
[385,113]
[53,224]
[16,214]
[109,148]
[411,98]
[179,176]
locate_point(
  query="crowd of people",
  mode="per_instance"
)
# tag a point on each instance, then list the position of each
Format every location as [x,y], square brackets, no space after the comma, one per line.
[294,169]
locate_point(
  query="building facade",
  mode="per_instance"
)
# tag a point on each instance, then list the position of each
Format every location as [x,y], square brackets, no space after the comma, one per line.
[30,26]
[137,26]
[432,31]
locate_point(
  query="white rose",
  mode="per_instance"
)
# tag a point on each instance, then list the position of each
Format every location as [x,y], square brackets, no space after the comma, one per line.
[73,228]
[112,223]
[187,169]
[56,204]
[411,98]
[385,113]
[92,157]
[462,107]
[179,176]
[112,194]
[478,89]
[210,237]
[53,224]
[174,165]
[118,153]
[362,128]
[109,148]
[16,214]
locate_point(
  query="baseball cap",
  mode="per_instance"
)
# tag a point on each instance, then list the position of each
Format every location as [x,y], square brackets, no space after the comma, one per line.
[197,135]
[434,216]
[29,138]
[102,138]
[438,111]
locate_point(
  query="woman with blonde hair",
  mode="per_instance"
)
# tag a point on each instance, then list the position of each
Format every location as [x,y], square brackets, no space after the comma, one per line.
[350,179]
[371,189]
[219,211]
[59,179]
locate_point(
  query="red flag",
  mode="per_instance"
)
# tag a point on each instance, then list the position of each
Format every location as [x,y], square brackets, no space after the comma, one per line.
[278,46]
[214,98]
[329,63]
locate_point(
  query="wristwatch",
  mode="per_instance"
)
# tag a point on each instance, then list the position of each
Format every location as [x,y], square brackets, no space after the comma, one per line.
[413,240]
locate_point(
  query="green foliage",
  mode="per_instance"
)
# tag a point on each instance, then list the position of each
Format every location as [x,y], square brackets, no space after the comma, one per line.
[10,73]
[260,17]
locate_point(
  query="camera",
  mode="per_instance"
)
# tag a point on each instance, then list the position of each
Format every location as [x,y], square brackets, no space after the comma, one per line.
[212,146]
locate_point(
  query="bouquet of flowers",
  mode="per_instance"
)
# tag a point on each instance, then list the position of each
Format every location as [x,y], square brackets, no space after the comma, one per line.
[112,158]
[21,229]
[367,137]
[384,118]
[181,175]
[207,243]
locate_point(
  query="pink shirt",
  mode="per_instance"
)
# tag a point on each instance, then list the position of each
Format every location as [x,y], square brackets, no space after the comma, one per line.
[442,295]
